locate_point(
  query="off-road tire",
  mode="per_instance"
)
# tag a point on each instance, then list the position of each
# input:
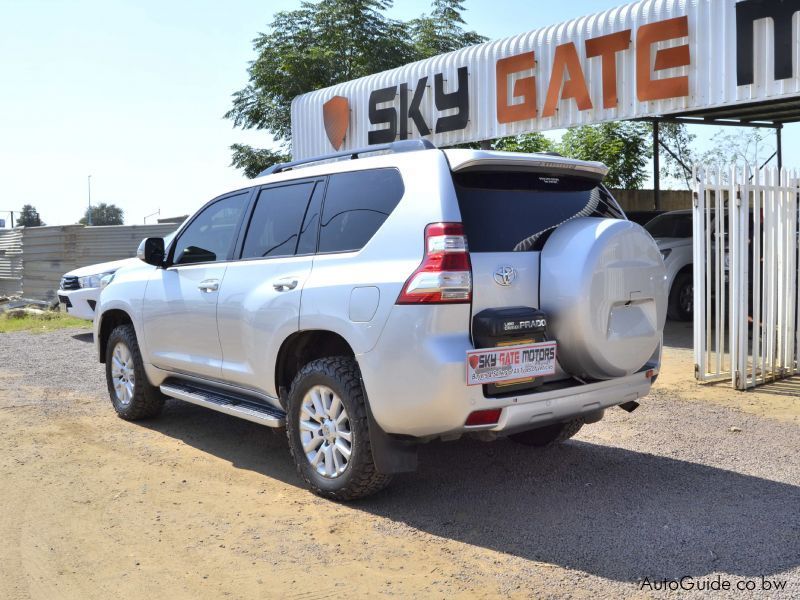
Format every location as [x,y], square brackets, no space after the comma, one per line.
[361,478]
[675,311]
[549,435]
[147,400]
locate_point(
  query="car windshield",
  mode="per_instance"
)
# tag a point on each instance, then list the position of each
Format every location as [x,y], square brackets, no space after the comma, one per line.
[670,225]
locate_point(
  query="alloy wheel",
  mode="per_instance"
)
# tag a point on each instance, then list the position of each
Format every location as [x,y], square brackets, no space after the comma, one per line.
[325,431]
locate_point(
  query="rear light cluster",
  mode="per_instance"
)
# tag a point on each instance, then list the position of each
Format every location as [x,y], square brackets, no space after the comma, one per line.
[445,275]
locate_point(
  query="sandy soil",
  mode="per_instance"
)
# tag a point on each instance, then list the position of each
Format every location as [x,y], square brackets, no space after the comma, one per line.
[200,505]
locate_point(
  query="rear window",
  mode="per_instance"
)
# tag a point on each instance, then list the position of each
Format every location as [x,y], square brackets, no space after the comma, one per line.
[356,205]
[511,211]
[670,225]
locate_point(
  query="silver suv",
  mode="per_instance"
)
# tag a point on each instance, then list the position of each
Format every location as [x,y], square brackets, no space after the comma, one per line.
[374,300]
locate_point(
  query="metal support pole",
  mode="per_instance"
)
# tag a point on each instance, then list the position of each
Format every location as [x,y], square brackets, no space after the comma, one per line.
[656,168]
[89,214]
[780,147]
[12,218]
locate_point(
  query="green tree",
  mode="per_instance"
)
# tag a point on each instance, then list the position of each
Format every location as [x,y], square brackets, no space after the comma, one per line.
[442,30]
[677,160]
[744,146]
[324,43]
[254,160]
[529,142]
[103,214]
[623,146]
[29,217]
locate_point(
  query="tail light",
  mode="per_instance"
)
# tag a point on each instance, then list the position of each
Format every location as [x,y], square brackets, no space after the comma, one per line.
[445,275]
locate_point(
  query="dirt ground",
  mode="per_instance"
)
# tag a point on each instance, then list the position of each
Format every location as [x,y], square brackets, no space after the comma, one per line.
[701,481]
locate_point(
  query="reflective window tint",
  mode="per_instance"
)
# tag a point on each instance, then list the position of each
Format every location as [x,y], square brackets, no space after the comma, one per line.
[506,211]
[308,234]
[210,236]
[356,205]
[275,225]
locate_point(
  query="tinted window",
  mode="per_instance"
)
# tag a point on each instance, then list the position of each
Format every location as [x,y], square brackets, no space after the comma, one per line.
[506,211]
[308,234]
[275,224]
[210,236]
[356,205]
[671,225]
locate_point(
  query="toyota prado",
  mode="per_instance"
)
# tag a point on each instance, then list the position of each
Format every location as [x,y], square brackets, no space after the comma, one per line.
[374,300]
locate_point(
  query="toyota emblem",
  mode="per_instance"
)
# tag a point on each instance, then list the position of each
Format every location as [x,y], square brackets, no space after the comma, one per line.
[505,276]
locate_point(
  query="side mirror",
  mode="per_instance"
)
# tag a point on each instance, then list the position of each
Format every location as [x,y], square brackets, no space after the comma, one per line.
[151,251]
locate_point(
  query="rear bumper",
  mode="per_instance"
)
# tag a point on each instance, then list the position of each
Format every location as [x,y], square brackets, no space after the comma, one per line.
[79,303]
[415,380]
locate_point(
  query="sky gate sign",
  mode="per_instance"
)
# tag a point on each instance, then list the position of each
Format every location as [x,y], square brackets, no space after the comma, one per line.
[654,57]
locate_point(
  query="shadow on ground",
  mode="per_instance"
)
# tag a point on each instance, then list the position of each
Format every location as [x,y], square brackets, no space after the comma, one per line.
[782,387]
[616,513]
[679,334]
[84,337]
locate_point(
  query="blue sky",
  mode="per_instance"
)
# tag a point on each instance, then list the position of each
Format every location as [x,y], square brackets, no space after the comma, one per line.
[133,93]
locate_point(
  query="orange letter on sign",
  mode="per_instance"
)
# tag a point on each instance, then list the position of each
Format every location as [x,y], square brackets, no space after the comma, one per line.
[566,61]
[648,88]
[607,47]
[524,88]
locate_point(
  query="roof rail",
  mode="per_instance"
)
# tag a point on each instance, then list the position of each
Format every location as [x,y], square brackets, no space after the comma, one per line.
[393,147]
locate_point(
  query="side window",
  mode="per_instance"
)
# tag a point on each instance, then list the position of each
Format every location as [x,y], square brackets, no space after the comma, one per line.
[308,234]
[275,225]
[210,236]
[356,205]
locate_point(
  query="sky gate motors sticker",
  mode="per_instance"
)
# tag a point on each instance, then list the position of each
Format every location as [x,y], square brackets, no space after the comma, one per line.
[495,365]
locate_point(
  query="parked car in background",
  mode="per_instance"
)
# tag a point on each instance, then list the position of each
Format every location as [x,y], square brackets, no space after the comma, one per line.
[672,232]
[80,289]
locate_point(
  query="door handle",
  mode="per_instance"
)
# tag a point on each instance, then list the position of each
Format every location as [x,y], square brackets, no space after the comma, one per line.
[209,285]
[285,284]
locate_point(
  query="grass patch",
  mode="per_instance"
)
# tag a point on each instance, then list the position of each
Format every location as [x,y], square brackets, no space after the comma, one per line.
[49,321]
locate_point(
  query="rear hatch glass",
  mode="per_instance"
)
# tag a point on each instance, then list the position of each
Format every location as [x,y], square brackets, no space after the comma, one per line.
[509,211]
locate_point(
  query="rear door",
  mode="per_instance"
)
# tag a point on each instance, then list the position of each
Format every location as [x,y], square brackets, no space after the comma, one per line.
[259,302]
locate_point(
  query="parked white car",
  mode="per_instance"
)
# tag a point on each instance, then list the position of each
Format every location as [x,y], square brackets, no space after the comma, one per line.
[80,289]
[672,232]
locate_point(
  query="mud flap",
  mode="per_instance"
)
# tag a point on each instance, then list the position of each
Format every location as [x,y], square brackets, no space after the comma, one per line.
[389,454]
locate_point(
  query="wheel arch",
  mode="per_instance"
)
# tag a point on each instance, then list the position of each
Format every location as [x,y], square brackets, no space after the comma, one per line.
[108,322]
[684,270]
[302,347]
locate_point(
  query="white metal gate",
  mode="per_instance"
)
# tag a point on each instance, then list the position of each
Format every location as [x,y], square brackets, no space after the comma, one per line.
[745,275]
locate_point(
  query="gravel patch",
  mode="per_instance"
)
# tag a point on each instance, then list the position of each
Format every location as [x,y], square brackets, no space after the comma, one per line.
[679,488]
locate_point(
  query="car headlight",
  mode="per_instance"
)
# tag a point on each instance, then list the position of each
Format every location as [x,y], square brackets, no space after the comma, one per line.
[93,281]
[666,253]
[105,280]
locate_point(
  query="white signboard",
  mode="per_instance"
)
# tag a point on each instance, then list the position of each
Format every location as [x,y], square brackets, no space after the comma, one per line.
[650,58]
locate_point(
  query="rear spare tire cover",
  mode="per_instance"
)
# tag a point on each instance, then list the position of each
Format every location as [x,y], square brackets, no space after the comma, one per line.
[604,288]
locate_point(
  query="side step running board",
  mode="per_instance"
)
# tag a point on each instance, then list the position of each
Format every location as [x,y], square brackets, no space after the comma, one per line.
[225,403]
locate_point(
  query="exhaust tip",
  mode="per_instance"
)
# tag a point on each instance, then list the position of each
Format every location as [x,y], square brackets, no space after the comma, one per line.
[629,406]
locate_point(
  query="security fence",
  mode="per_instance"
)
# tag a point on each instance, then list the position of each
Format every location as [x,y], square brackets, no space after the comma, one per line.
[745,275]
[33,259]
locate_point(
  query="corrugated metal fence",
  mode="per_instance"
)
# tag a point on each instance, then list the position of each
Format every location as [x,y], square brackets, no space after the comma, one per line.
[10,261]
[33,259]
